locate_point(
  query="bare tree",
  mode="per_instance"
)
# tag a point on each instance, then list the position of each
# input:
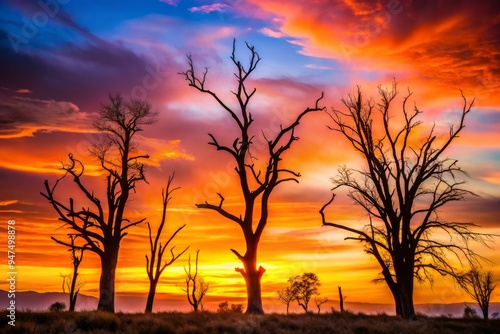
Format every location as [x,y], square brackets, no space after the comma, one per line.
[71,282]
[103,224]
[341,299]
[256,184]
[320,301]
[196,287]
[405,181]
[479,285]
[154,265]
[286,296]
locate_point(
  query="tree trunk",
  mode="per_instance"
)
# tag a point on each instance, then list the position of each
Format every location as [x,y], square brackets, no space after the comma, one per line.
[484,309]
[72,293]
[341,300]
[72,301]
[252,277]
[151,296]
[403,297]
[254,297]
[107,282]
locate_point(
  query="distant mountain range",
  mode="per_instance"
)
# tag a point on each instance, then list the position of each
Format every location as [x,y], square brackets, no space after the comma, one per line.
[36,301]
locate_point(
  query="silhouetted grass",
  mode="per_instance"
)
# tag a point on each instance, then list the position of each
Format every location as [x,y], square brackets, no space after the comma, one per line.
[207,323]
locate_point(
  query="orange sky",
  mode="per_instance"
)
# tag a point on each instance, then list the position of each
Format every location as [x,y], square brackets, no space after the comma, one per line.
[52,85]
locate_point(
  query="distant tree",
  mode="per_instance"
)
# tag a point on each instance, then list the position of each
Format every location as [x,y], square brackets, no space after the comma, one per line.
[104,224]
[341,299]
[305,287]
[196,287]
[469,312]
[154,264]
[256,183]
[406,179]
[286,296]
[224,307]
[479,285]
[495,315]
[320,301]
[71,282]
[57,307]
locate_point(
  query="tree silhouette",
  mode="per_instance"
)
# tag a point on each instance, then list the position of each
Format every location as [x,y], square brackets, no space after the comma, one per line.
[286,296]
[57,307]
[405,181]
[479,285]
[196,287]
[103,224]
[305,287]
[319,301]
[71,282]
[341,299]
[154,266]
[255,183]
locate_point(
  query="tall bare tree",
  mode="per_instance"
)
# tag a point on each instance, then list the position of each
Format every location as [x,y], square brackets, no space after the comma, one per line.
[479,285]
[196,287]
[405,180]
[103,224]
[257,184]
[154,264]
[71,282]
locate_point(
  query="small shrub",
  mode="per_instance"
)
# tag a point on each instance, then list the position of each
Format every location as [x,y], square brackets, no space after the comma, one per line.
[98,320]
[225,307]
[57,307]
[469,312]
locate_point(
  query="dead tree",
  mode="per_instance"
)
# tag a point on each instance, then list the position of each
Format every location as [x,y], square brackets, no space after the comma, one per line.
[405,180]
[341,300]
[154,264]
[256,184]
[103,224]
[196,287]
[479,285]
[71,282]
[320,301]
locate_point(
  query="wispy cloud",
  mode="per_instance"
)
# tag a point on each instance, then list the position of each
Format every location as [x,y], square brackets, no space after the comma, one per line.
[319,67]
[271,33]
[205,9]
[170,2]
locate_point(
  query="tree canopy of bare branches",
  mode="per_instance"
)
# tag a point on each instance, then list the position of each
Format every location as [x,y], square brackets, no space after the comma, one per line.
[102,224]
[154,264]
[479,285]
[196,287]
[257,184]
[71,282]
[406,179]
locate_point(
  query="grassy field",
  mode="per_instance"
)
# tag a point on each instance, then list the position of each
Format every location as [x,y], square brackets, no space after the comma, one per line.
[205,323]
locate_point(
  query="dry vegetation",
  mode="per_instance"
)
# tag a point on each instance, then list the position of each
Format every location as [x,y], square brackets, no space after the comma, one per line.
[205,323]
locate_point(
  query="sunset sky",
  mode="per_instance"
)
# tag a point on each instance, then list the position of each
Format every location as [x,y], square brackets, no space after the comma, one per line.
[59,60]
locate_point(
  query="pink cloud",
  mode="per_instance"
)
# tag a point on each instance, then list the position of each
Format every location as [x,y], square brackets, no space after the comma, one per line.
[170,2]
[205,9]
[271,33]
